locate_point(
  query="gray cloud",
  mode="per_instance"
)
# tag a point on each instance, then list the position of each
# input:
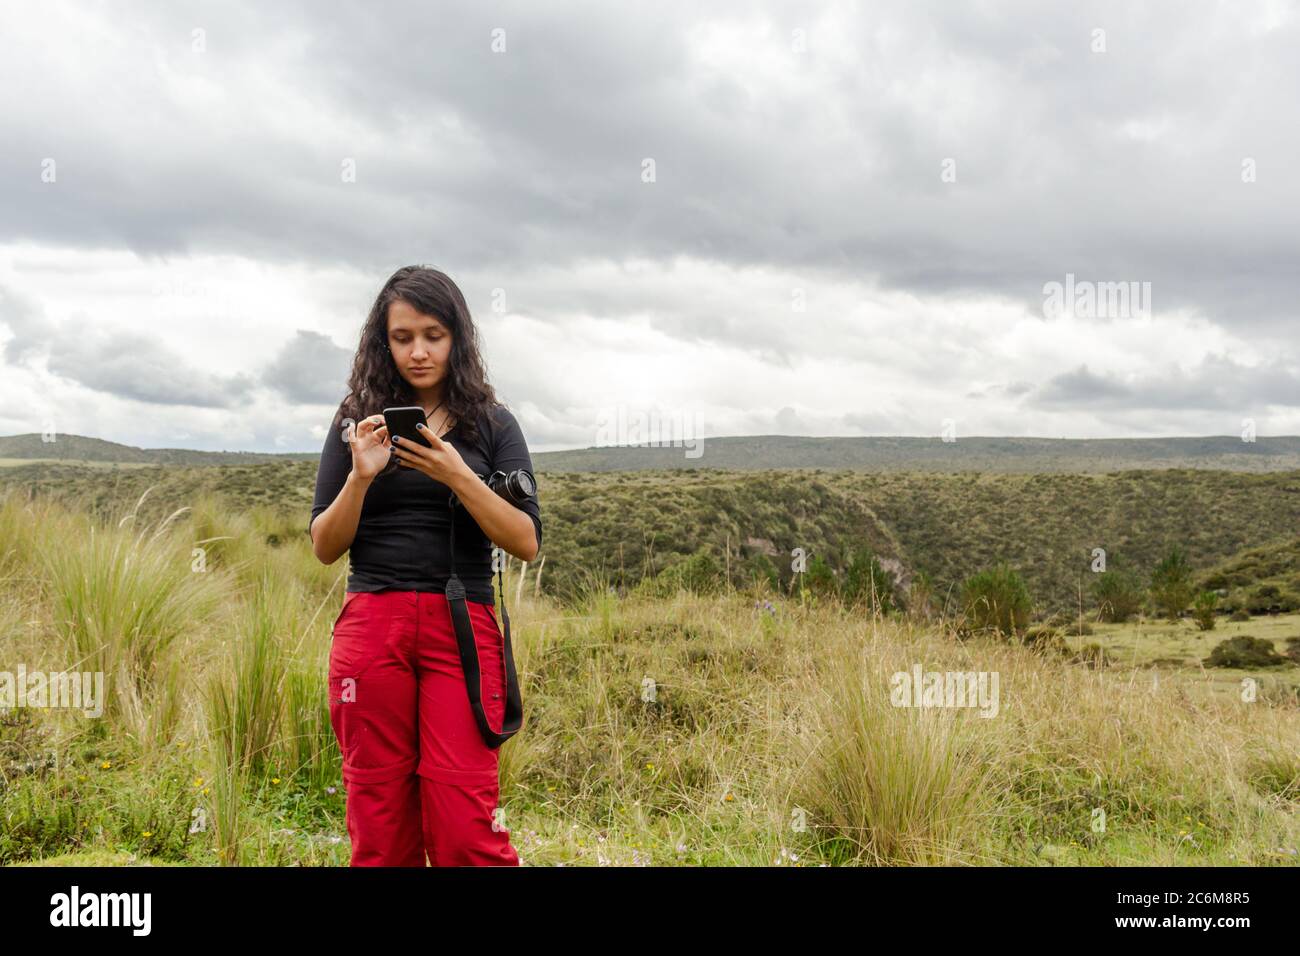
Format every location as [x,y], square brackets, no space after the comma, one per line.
[1218,383]
[116,362]
[309,368]
[133,366]
[820,169]
[29,330]
[1122,165]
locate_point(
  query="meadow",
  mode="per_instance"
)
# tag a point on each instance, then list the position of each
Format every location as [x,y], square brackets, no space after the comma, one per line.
[745,726]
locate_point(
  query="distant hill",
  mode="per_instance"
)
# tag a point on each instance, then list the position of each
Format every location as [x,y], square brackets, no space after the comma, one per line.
[768,452]
[1239,529]
[1031,455]
[78,448]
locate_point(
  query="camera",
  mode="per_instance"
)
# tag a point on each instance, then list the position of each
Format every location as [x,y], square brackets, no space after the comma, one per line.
[515,487]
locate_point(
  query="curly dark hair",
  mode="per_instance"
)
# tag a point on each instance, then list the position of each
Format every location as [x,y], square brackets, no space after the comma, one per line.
[375,383]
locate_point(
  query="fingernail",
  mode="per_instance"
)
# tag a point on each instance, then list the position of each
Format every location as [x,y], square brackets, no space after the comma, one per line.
[396,439]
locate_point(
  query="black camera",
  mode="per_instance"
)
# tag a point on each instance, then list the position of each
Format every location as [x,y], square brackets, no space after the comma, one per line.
[516,487]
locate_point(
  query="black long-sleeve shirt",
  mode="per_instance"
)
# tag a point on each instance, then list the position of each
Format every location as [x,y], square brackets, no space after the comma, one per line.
[402,537]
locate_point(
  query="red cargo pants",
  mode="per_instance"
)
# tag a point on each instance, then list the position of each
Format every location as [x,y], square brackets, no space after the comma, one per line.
[419,777]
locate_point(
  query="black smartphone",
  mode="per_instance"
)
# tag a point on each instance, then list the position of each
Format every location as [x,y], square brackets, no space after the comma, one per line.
[402,422]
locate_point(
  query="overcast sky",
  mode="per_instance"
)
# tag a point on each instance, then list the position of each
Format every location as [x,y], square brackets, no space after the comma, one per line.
[766,218]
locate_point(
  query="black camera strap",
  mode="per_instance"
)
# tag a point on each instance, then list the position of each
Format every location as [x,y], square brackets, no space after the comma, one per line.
[514,714]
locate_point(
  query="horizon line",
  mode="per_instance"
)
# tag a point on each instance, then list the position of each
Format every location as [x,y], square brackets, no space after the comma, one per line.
[682,442]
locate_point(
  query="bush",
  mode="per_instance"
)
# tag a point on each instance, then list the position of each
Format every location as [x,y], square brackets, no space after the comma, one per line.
[996,599]
[1244,651]
[1171,584]
[820,578]
[866,582]
[1241,614]
[699,574]
[1269,599]
[1203,611]
[758,569]
[1118,594]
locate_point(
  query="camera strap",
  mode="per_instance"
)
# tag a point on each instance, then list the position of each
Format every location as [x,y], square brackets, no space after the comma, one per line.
[514,713]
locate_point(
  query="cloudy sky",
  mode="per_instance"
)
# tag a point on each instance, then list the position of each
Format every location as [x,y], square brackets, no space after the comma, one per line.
[760,218]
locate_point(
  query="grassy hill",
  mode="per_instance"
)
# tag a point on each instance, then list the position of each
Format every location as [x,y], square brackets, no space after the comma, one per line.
[1048,525]
[767,452]
[1055,455]
[281,483]
[1262,580]
[82,449]
[950,525]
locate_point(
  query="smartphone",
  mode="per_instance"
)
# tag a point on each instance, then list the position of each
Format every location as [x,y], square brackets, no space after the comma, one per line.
[402,422]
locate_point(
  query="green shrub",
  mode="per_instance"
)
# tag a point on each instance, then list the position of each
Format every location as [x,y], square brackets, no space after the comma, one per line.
[820,577]
[1244,651]
[996,599]
[1171,584]
[1270,599]
[1203,610]
[866,582]
[698,573]
[1118,593]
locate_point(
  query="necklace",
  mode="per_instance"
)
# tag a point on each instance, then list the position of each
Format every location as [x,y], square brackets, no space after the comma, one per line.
[432,410]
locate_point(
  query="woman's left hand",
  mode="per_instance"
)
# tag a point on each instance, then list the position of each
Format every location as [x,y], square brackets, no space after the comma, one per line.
[442,462]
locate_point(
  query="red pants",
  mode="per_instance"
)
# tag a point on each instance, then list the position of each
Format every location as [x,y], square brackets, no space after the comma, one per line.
[418,775]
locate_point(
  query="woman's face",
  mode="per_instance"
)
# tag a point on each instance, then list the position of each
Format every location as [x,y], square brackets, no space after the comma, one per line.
[421,345]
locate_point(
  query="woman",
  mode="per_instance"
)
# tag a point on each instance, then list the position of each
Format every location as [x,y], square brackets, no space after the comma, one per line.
[419,776]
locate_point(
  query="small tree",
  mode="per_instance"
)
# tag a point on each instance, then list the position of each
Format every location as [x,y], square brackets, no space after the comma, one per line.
[1118,593]
[997,599]
[1171,584]
[1203,610]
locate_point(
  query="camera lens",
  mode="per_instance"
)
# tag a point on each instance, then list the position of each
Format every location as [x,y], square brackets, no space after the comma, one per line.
[523,481]
[515,487]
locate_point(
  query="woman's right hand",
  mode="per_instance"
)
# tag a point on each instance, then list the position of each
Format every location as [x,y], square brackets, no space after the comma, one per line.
[371,446]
